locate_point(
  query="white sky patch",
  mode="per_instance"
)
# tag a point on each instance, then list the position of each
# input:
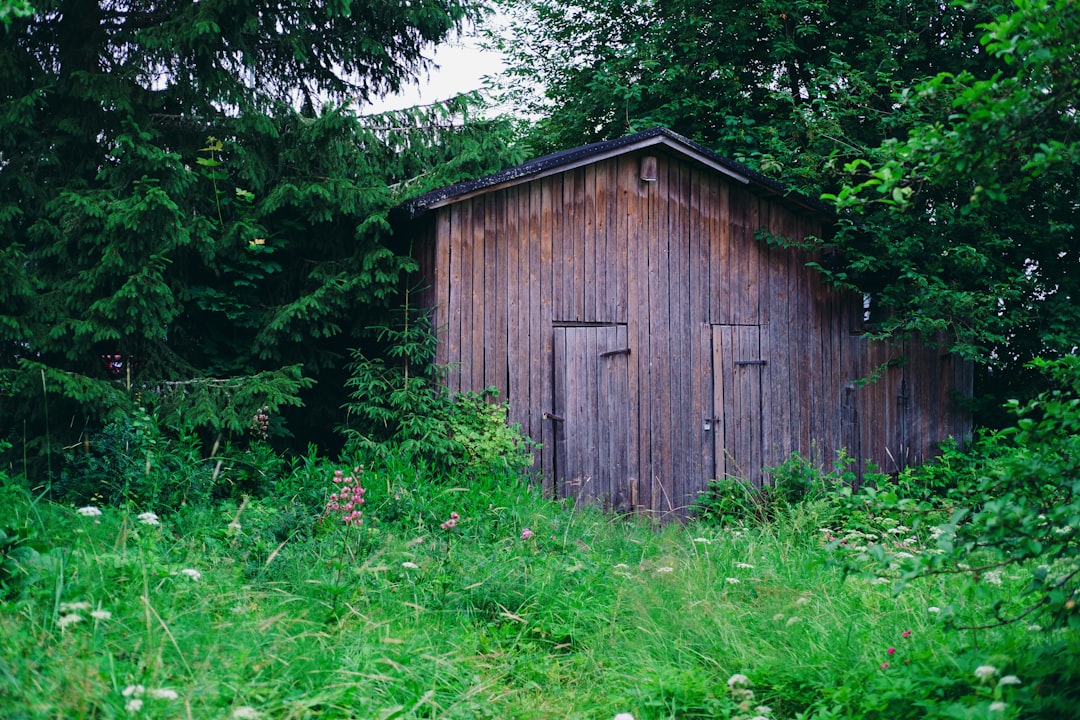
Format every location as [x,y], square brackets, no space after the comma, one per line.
[462,67]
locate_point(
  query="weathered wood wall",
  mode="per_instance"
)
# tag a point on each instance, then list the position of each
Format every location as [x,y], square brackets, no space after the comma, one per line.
[738,355]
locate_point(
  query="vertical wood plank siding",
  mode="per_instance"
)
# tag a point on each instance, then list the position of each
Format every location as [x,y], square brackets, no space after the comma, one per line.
[672,269]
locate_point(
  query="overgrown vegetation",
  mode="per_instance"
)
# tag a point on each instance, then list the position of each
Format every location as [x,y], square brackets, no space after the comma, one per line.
[380,586]
[187,244]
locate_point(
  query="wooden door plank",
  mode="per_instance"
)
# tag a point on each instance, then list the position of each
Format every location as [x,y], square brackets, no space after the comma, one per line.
[559,410]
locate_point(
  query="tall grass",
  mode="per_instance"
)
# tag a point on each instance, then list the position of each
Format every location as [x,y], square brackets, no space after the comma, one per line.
[264,607]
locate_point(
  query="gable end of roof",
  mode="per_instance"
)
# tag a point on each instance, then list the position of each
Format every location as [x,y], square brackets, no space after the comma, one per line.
[594,152]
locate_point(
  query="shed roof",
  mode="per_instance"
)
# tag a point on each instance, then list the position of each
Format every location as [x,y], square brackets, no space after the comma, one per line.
[657,137]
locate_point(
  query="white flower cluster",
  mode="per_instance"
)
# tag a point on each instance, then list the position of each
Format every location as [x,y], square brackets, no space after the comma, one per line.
[148,518]
[136,693]
[70,613]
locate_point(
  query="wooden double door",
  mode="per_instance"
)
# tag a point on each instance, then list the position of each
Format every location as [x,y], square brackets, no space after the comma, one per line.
[597,421]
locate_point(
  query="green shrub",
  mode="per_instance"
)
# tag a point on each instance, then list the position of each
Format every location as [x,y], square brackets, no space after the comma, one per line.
[1009,508]
[399,406]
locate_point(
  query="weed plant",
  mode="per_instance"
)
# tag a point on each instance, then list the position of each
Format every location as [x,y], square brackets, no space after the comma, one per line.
[521,608]
[438,593]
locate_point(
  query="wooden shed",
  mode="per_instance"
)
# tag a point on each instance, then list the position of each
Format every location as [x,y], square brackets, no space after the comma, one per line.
[619,297]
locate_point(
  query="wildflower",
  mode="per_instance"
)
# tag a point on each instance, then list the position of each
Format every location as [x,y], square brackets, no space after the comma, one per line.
[933,609]
[763,709]
[192,573]
[526,534]
[998,706]
[985,672]
[163,694]
[744,566]
[449,524]
[235,527]
[802,600]
[346,502]
[884,666]
[66,620]
[133,705]
[792,620]
[624,716]
[992,576]
[705,541]
[738,680]
[622,566]
[409,565]
[665,569]
[733,581]
[1009,680]
[778,617]
[879,581]
[133,691]
[89,511]
[244,712]
[260,423]
[100,614]
[148,518]
[78,606]
[891,651]
[906,633]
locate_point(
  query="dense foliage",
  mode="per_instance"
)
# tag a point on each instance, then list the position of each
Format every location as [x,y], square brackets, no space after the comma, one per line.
[1005,509]
[194,219]
[372,587]
[399,406]
[946,134]
[968,220]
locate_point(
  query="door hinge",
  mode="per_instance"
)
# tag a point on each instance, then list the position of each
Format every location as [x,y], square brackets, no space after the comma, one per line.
[751,362]
[553,416]
[609,353]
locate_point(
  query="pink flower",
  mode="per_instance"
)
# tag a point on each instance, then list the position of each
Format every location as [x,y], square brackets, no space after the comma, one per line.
[891,651]
[449,523]
[884,666]
[526,534]
[348,496]
[454,516]
[906,633]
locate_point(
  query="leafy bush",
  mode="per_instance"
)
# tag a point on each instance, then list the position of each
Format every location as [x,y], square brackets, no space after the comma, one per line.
[398,405]
[795,482]
[1012,511]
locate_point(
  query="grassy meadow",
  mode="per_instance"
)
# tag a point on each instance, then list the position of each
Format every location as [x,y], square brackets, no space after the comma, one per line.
[477,598]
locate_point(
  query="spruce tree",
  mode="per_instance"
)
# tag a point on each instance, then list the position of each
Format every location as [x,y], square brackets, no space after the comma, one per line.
[193,213]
